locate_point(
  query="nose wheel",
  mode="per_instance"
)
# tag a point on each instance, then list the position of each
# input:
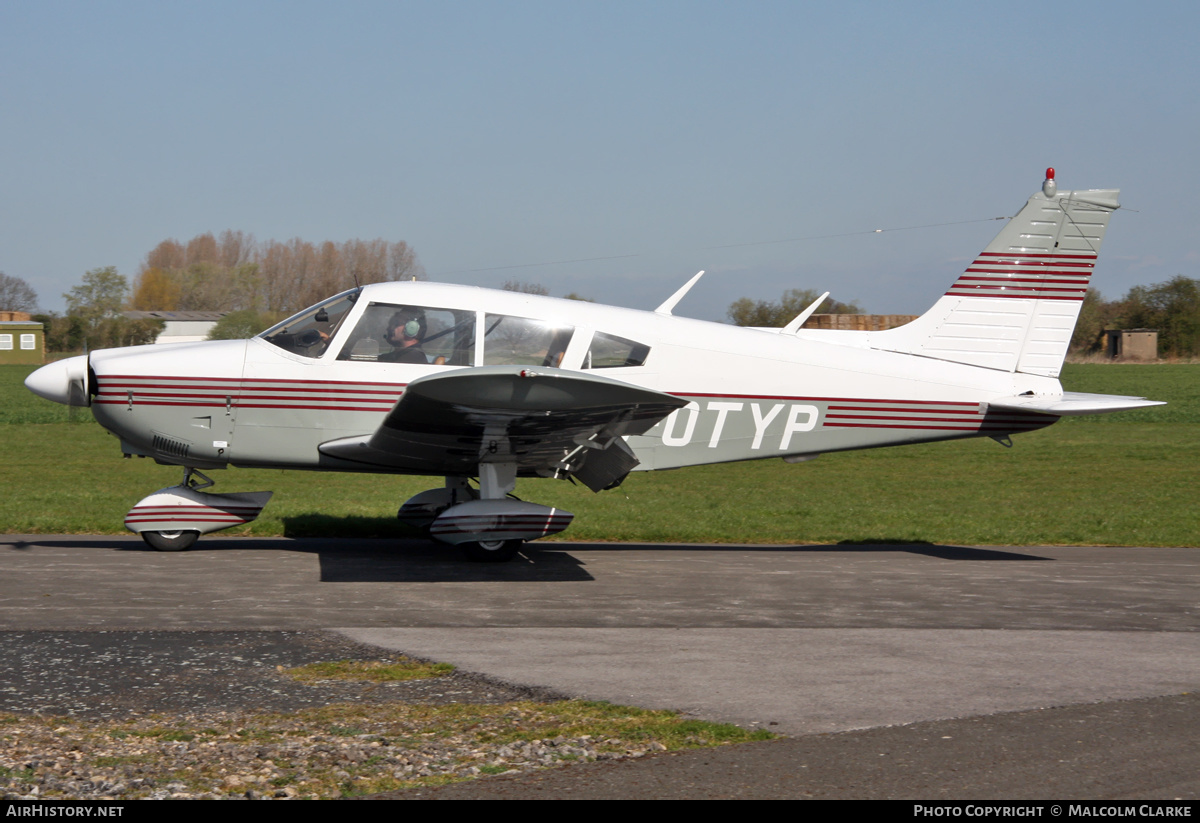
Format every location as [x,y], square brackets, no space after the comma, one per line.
[491,551]
[171,541]
[172,519]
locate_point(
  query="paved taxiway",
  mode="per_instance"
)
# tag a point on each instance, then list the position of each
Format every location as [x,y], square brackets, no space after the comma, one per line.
[799,639]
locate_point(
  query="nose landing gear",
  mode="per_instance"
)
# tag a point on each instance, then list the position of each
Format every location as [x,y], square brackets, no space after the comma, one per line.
[172,519]
[171,541]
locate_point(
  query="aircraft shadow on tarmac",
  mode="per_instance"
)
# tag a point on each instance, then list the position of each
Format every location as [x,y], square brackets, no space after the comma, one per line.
[409,560]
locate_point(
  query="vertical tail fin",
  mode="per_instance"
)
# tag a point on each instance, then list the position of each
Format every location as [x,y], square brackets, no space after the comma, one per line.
[1015,306]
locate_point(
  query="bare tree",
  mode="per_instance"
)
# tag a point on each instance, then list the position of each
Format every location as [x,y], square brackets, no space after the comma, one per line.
[273,262]
[167,255]
[235,248]
[202,249]
[16,294]
[234,273]
[402,263]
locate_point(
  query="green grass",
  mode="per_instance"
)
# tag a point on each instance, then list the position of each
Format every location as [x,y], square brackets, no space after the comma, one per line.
[1121,479]
[600,720]
[1178,384]
[1105,484]
[19,405]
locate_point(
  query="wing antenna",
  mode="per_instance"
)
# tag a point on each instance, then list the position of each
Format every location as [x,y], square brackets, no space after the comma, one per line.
[670,302]
[794,326]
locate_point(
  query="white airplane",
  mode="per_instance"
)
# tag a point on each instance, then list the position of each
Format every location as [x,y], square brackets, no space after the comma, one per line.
[462,382]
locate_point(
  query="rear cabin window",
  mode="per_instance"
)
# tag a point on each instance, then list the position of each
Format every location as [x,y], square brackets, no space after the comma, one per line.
[423,335]
[611,352]
[522,341]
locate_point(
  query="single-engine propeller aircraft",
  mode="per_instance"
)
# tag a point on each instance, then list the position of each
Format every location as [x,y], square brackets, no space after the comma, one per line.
[462,382]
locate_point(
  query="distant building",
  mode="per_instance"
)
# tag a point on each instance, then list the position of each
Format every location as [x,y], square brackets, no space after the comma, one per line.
[1132,344]
[181,326]
[858,322]
[21,340]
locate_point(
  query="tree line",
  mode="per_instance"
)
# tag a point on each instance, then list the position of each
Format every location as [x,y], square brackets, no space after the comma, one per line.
[93,319]
[1172,308]
[778,313]
[232,272]
[260,283]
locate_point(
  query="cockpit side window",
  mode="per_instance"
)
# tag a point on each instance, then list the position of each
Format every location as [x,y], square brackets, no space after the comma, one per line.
[608,351]
[310,332]
[422,335]
[523,341]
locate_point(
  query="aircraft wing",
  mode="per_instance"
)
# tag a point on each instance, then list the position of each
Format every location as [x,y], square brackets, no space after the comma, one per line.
[1071,403]
[549,422]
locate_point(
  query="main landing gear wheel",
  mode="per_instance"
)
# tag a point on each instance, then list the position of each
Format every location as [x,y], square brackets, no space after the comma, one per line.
[491,551]
[175,541]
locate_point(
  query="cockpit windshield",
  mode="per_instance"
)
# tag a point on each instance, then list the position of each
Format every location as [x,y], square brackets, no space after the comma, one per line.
[310,332]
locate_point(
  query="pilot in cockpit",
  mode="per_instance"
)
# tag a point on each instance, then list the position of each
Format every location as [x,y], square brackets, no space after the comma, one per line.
[405,331]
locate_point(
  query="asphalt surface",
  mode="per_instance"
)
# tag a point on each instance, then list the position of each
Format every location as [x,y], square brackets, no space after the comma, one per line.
[1144,749]
[896,671]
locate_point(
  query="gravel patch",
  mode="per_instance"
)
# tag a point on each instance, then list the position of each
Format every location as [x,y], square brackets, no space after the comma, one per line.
[127,714]
[340,752]
[123,674]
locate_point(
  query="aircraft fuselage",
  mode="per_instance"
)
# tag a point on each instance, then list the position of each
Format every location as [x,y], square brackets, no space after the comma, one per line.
[751,393]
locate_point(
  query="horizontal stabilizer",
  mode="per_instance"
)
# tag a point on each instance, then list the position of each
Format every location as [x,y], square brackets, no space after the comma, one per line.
[1071,403]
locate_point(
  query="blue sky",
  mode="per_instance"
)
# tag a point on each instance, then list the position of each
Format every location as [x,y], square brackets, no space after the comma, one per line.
[497,137]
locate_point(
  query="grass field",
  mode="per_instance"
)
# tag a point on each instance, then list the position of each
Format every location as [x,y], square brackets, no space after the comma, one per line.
[1122,479]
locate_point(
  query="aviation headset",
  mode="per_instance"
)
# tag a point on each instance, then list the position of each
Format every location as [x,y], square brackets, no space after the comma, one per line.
[411,320]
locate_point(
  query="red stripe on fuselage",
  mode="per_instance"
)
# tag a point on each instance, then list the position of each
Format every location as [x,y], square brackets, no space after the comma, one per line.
[240,380]
[1023,255]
